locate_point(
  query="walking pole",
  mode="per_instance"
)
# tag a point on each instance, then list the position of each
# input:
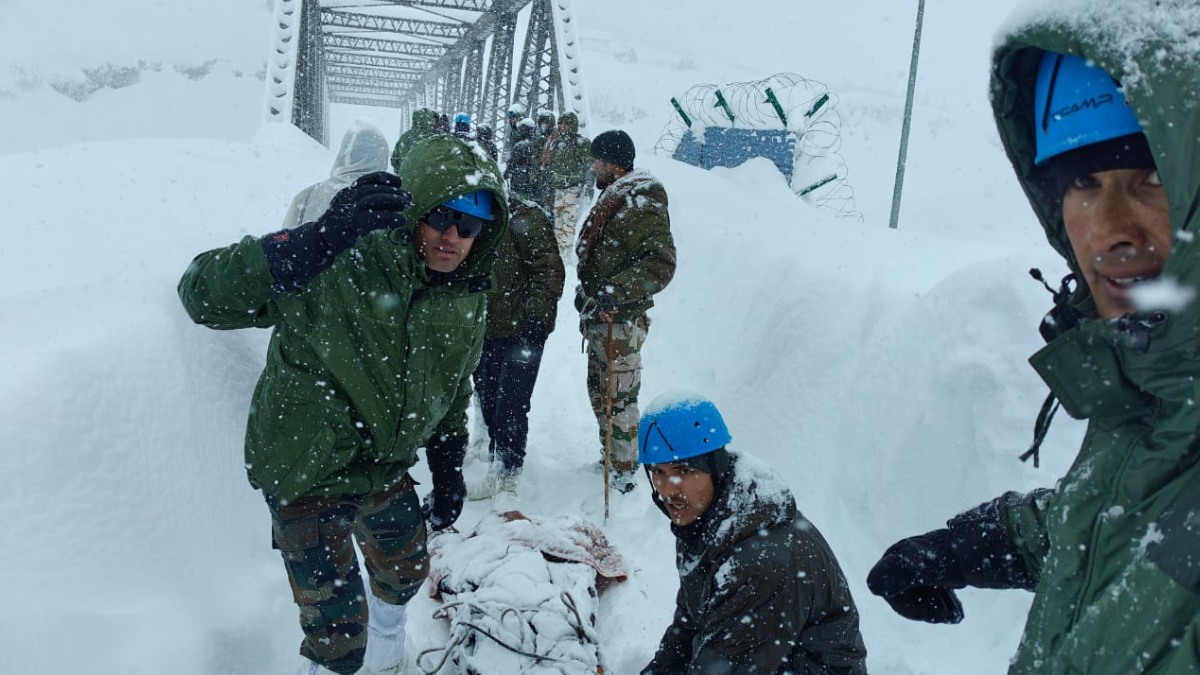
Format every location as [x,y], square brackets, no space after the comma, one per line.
[608,395]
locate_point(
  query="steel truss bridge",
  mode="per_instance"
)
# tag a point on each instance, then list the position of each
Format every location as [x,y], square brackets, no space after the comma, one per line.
[448,55]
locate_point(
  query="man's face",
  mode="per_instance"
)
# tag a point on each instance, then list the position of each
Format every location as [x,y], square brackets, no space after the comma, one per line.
[1120,230]
[443,251]
[603,172]
[685,491]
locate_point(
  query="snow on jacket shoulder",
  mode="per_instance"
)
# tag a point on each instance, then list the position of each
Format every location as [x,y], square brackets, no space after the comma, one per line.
[625,245]
[1114,545]
[760,590]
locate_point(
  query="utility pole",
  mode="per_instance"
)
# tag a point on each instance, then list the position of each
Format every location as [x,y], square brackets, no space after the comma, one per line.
[908,106]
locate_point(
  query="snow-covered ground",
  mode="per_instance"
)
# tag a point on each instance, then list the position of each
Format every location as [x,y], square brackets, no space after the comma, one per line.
[881,371]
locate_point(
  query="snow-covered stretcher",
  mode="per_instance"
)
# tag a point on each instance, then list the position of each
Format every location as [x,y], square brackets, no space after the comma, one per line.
[521,594]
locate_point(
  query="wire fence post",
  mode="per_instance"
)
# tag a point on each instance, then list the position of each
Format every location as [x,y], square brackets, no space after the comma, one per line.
[908,106]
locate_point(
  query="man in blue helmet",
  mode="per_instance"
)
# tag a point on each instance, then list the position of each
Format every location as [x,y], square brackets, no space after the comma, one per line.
[462,127]
[760,591]
[377,323]
[1098,106]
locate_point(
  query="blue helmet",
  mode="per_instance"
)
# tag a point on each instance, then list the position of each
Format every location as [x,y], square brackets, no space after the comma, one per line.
[479,203]
[462,118]
[679,429]
[1077,104]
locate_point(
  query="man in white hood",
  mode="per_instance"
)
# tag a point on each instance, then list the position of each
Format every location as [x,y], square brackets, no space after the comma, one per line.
[364,150]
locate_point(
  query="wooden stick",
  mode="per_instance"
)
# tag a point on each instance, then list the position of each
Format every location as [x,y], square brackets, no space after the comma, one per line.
[608,396]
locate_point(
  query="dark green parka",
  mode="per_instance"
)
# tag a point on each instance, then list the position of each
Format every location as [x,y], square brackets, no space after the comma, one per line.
[567,156]
[760,591]
[369,359]
[524,177]
[423,122]
[625,246]
[528,274]
[1115,547]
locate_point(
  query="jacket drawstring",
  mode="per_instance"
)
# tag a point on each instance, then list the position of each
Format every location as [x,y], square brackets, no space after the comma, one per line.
[1051,405]
[1041,427]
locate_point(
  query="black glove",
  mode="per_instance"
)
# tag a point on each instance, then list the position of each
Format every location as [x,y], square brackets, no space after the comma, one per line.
[600,302]
[373,202]
[534,331]
[916,577]
[444,503]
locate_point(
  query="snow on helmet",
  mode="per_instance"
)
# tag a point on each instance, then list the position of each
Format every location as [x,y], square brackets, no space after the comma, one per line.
[517,109]
[674,429]
[479,203]
[1077,104]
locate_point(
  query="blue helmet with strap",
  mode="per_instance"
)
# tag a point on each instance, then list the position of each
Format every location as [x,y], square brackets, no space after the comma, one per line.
[479,203]
[676,429]
[1077,104]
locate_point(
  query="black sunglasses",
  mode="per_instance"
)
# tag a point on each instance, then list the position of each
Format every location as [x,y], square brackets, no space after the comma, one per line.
[441,218]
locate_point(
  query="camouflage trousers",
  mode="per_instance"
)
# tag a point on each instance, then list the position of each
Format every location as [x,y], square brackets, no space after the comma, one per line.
[626,383]
[315,536]
[566,215]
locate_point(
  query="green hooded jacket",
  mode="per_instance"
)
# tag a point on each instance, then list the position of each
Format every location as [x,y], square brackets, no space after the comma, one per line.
[423,120]
[625,246]
[369,359]
[567,156]
[1115,547]
[760,591]
[528,274]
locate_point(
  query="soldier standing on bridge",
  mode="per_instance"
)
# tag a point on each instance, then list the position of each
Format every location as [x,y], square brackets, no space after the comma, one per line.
[565,160]
[512,117]
[423,126]
[626,255]
[521,169]
[541,135]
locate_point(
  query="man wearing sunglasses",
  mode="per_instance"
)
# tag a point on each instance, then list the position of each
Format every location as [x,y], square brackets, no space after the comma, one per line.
[377,316]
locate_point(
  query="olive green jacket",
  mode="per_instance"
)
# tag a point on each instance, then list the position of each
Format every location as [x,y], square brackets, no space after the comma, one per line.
[625,246]
[566,157]
[528,274]
[760,591]
[1115,547]
[369,359]
[423,120]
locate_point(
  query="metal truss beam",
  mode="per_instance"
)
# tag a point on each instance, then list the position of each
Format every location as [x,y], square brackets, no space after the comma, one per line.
[473,80]
[445,75]
[497,85]
[310,106]
[473,5]
[538,82]
[384,91]
[372,61]
[387,24]
[359,100]
[391,86]
[378,74]
[366,44]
